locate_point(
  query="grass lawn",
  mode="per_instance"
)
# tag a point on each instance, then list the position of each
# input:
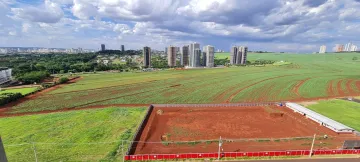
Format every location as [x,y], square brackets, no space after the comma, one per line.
[23,91]
[84,135]
[346,112]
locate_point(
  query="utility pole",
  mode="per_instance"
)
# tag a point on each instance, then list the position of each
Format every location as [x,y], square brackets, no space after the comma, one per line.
[220,143]
[312,146]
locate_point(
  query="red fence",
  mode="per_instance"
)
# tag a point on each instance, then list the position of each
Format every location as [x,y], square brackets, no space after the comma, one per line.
[237,154]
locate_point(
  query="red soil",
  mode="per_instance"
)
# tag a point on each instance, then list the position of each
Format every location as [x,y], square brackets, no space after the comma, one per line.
[348,86]
[339,88]
[330,89]
[295,90]
[194,124]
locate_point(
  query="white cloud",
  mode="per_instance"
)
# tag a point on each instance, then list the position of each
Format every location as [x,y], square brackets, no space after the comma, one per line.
[159,23]
[12,33]
[49,12]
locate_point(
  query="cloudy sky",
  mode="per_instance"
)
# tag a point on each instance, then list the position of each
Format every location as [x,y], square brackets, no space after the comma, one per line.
[272,25]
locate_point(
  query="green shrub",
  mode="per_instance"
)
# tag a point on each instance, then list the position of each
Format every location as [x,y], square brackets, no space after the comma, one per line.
[9,97]
[63,80]
[32,77]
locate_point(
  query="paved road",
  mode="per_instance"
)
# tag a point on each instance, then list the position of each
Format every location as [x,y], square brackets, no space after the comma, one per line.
[310,160]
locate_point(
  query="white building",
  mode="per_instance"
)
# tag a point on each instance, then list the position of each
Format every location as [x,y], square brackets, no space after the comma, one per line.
[322,49]
[209,50]
[353,47]
[5,75]
[193,59]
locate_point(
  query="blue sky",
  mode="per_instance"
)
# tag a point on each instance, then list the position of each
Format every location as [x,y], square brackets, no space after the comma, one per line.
[271,25]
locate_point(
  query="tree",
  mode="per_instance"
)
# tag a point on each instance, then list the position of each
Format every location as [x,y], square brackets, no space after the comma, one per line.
[34,76]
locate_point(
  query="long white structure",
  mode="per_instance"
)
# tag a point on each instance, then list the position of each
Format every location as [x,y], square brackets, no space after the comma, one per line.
[321,119]
[5,76]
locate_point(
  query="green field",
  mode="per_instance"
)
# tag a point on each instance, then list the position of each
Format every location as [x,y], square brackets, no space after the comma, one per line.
[309,76]
[222,55]
[346,112]
[23,91]
[84,135]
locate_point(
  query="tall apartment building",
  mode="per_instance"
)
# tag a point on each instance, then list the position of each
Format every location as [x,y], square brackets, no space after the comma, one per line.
[171,56]
[184,59]
[353,48]
[203,58]
[322,49]
[197,54]
[233,54]
[166,50]
[209,50]
[102,47]
[122,48]
[238,55]
[147,57]
[339,47]
[193,59]
[243,59]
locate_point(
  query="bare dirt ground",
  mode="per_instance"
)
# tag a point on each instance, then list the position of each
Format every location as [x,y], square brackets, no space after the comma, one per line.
[232,123]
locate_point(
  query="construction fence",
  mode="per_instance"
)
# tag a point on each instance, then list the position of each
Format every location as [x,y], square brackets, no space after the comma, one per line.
[116,151]
[238,154]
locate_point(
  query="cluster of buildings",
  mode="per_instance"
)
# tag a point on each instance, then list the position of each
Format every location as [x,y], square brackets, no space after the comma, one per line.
[349,47]
[190,56]
[29,50]
[102,48]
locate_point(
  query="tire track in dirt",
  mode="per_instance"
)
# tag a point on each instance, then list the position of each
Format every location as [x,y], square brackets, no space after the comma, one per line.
[357,84]
[248,86]
[348,86]
[339,89]
[330,89]
[295,89]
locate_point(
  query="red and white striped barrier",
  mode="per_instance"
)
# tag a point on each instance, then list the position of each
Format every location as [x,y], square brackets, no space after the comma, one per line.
[237,154]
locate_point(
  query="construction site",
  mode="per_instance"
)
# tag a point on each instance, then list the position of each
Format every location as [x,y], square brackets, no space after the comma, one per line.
[199,128]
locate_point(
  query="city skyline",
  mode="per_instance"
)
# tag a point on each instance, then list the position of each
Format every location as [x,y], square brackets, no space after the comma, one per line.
[279,26]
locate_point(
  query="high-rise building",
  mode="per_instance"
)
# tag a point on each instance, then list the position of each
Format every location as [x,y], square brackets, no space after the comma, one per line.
[197,54]
[185,56]
[102,47]
[353,48]
[238,55]
[322,49]
[347,47]
[339,48]
[122,48]
[203,58]
[166,50]
[171,56]
[209,50]
[233,54]
[147,57]
[244,51]
[192,48]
